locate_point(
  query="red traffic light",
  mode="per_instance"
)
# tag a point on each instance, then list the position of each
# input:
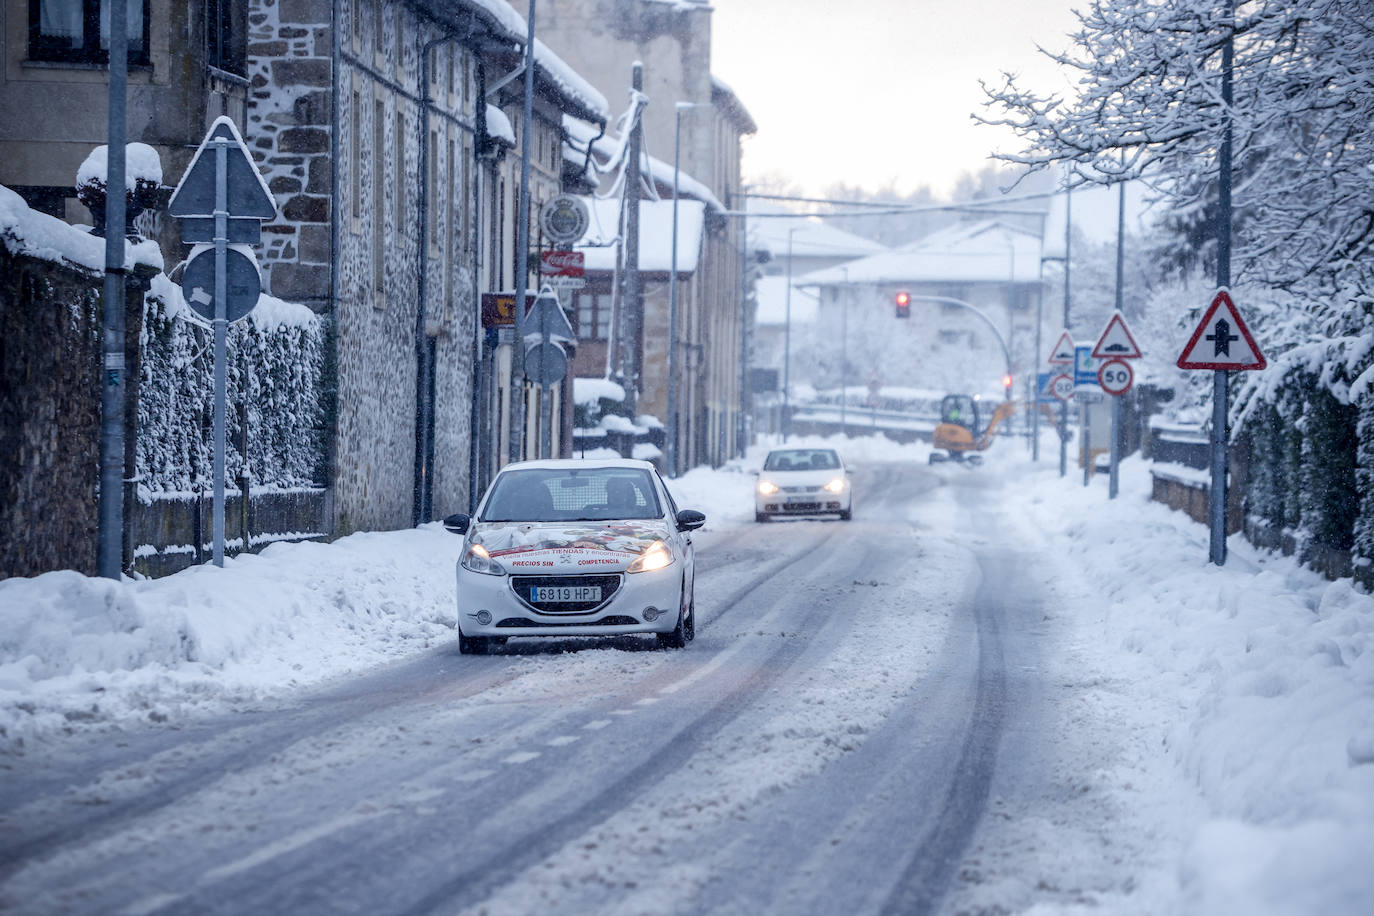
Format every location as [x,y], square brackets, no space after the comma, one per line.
[903,304]
[1006,381]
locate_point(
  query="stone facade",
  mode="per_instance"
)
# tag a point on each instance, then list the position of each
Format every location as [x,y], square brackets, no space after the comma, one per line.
[290,133]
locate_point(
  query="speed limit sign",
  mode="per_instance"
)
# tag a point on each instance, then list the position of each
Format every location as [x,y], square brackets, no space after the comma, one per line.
[1115,376]
[1061,386]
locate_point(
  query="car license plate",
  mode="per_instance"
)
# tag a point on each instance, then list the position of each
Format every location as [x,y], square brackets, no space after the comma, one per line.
[554,593]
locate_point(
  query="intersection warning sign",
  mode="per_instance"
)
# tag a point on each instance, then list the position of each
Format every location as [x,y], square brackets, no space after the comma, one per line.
[1221,340]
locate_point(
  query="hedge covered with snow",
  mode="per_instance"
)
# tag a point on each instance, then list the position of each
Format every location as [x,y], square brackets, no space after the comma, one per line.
[276,371]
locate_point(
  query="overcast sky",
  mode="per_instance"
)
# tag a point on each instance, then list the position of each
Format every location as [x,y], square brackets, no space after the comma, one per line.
[870,91]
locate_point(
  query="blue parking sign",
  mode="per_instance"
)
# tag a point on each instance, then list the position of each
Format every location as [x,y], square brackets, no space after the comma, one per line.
[1084,366]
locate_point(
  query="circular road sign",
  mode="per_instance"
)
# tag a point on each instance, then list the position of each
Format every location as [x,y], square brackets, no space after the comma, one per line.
[1115,376]
[1061,386]
[546,364]
[243,286]
[564,219]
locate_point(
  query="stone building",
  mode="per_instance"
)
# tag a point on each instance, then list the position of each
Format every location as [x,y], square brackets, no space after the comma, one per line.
[370,120]
[602,39]
[187,66]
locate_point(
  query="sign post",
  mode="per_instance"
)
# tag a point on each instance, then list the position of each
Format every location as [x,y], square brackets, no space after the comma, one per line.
[1222,343]
[1085,392]
[545,361]
[219,191]
[1115,346]
[1061,356]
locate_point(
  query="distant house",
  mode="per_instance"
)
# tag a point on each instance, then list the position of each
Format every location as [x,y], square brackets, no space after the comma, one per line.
[989,265]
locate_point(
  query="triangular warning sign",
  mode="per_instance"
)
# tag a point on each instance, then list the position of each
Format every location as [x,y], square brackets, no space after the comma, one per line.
[1062,354]
[1221,341]
[247,194]
[1116,341]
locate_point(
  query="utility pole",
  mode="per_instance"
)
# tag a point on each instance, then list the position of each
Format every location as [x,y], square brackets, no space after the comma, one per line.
[1068,260]
[109,549]
[1120,279]
[522,254]
[632,313]
[1217,496]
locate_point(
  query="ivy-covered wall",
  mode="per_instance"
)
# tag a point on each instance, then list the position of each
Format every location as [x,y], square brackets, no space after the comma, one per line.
[275,393]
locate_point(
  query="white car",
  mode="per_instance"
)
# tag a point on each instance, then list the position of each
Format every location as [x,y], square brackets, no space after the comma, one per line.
[575,548]
[803,481]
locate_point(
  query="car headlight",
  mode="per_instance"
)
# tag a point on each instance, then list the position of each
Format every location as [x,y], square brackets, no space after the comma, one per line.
[656,557]
[479,561]
[836,486]
[767,487]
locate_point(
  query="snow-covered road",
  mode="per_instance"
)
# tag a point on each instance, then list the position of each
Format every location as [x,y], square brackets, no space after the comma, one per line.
[980,695]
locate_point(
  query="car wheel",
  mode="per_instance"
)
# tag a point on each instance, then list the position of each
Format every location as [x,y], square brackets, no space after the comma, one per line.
[686,629]
[473,645]
[760,516]
[846,515]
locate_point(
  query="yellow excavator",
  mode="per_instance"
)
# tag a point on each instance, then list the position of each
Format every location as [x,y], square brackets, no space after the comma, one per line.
[959,432]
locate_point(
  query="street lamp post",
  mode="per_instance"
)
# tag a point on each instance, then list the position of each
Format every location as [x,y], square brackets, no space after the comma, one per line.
[844,355]
[787,340]
[672,290]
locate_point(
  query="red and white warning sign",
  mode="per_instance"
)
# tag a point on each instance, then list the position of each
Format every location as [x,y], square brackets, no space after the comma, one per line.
[1221,340]
[1062,354]
[1116,377]
[1116,341]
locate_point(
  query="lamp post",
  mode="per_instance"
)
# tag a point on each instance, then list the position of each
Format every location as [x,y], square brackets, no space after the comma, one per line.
[787,339]
[672,290]
[844,355]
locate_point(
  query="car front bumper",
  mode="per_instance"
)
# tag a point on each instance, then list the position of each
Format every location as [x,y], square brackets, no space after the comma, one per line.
[627,611]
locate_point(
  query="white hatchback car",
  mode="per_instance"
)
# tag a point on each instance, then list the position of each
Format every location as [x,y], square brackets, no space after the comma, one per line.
[803,481]
[576,548]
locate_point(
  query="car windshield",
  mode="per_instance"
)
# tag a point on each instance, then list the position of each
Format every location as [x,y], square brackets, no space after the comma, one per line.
[802,459]
[572,494]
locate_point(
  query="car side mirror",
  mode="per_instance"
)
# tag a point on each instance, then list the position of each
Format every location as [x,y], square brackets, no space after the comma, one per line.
[458,523]
[690,520]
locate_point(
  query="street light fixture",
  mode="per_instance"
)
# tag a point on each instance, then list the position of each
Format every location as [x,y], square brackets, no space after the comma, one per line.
[672,291]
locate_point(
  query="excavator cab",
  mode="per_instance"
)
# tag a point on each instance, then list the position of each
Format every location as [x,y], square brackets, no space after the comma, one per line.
[960,433]
[960,410]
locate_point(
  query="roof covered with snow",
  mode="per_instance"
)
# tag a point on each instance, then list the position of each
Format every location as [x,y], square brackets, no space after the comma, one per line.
[607,148]
[810,238]
[987,251]
[581,96]
[724,98]
[771,294]
[655,234]
[498,126]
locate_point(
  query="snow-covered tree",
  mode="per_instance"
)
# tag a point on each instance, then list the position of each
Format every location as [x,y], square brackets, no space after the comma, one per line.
[1149,104]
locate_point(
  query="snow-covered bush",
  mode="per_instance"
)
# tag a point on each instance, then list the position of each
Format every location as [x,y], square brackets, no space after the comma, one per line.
[276,363]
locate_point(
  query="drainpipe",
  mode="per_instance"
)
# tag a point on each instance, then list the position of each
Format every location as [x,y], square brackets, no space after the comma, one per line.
[424,345]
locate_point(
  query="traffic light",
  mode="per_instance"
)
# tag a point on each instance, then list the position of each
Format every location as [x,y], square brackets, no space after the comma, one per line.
[903,304]
[1006,384]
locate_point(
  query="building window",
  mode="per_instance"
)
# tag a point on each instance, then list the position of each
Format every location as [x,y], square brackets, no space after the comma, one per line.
[594,316]
[431,188]
[78,31]
[355,155]
[401,172]
[225,48]
[378,203]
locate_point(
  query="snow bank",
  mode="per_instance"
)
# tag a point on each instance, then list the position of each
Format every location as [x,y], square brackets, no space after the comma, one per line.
[27,232]
[1255,679]
[75,648]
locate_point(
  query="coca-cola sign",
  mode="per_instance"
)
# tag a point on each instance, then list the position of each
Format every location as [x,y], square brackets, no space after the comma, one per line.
[562,263]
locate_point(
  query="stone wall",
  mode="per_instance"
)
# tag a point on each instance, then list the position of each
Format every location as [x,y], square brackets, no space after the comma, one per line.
[50,355]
